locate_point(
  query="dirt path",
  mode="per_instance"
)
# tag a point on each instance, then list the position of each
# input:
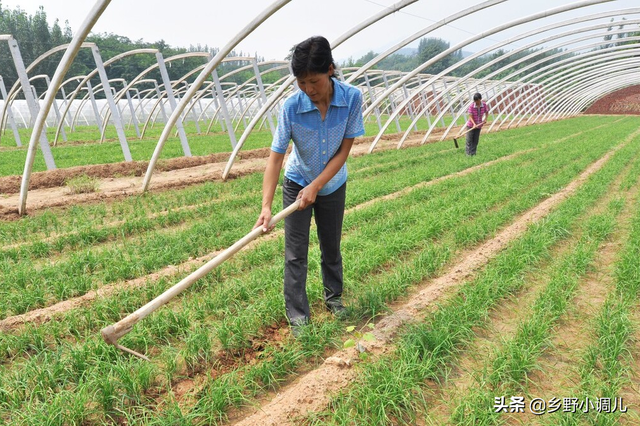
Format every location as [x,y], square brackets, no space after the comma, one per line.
[312,391]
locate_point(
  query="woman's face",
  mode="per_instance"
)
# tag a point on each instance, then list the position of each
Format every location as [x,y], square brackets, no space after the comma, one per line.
[317,85]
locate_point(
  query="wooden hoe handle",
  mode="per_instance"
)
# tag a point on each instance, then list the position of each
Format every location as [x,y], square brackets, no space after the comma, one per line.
[112,333]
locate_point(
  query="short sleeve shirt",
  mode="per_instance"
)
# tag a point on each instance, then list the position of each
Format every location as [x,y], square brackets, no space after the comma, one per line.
[316,141]
[477,113]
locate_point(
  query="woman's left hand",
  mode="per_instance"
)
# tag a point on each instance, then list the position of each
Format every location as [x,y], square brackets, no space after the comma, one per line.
[307,196]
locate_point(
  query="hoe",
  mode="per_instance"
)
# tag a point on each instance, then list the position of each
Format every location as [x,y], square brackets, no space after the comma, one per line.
[455,140]
[112,333]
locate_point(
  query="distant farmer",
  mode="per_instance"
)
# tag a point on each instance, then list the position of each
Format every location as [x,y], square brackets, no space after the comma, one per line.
[322,119]
[478,113]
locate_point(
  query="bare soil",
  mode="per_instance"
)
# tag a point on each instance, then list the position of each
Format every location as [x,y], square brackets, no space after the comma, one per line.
[625,101]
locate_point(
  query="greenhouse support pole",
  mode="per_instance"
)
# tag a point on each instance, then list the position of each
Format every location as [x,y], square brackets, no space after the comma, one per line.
[372,96]
[56,109]
[224,108]
[173,104]
[115,111]
[134,119]
[392,102]
[263,95]
[32,102]
[12,122]
[94,105]
[58,77]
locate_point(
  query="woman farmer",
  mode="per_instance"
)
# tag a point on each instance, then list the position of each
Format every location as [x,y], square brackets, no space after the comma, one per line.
[322,119]
[478,113]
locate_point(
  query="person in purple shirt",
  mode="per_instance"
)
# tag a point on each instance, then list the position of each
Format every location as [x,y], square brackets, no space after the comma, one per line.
[322,119]
[478,113]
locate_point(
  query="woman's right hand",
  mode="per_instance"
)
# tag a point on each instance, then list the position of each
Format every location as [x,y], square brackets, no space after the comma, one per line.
[264,219]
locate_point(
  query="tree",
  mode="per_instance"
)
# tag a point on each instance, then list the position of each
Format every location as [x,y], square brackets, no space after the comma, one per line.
[430,47]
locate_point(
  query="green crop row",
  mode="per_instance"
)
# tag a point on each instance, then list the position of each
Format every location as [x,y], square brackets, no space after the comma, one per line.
[506,371]
[605,367]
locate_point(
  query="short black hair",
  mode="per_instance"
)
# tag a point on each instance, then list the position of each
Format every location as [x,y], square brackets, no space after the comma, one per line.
[477,97]
[312,56]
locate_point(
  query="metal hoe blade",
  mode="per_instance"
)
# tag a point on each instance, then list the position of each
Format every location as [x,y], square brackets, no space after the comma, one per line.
[112,333]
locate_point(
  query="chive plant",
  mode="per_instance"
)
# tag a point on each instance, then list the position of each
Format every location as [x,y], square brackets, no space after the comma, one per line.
[506,370]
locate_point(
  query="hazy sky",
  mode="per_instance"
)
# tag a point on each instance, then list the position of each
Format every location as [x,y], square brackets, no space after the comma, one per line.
[215,22]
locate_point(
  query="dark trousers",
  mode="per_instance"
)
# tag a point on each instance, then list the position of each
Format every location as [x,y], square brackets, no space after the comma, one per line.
[473,137]
[328,211]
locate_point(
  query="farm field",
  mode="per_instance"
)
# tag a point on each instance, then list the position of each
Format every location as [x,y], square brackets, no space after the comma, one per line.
[73,152]
[476,287]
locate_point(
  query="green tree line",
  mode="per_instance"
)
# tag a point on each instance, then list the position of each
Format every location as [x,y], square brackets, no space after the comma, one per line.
[35,37]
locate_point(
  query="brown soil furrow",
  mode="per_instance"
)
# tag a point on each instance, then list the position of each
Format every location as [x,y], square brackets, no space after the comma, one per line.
[312,392]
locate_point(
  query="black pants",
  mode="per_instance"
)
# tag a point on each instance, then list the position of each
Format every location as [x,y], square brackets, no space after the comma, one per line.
[328,211]
[473,137]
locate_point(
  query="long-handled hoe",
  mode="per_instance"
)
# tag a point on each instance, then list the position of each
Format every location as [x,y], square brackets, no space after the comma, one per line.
[455,140]
[112,333]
